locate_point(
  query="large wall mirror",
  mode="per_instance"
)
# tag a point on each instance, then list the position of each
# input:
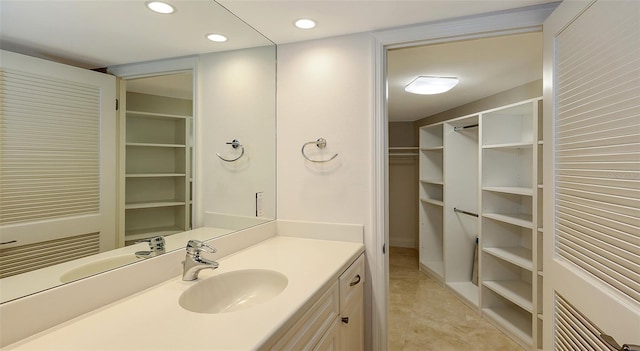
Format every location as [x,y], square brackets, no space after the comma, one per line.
[191,146]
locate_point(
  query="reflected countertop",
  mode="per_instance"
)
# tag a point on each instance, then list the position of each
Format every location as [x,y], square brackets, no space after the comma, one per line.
[20,285]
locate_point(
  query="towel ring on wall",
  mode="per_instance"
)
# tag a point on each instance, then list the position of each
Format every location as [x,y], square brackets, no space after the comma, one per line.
[321,144]
[234,144]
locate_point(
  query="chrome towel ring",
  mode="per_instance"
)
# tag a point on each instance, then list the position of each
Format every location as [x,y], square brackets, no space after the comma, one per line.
[321,144]
[234,144]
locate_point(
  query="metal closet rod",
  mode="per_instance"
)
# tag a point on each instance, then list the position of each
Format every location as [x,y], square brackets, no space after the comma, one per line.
[465,127]
[465,212]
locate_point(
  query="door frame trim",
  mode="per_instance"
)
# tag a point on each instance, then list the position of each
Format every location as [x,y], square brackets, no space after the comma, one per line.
[516,21]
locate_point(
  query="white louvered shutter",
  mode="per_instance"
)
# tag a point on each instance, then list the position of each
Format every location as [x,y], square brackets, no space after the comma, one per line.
[594,212]
[57,160]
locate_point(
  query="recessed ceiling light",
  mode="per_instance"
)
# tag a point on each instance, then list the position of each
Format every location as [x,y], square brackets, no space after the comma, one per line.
[428,85]
[218,38]
[160,7]
[305,23]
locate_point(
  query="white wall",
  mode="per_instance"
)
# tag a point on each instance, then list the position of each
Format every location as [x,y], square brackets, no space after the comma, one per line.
[236,100]
[325,90]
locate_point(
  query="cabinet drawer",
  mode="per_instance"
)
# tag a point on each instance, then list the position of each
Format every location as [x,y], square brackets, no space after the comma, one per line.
[311,327]
[352,280]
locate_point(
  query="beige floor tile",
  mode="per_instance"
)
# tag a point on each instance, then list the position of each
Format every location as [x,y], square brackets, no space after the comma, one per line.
[424,315]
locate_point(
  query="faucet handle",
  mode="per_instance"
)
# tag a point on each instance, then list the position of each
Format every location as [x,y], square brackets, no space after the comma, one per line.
[157,244]
[194,247]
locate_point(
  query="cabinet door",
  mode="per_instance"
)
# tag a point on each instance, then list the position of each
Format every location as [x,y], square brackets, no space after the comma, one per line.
[352,324]
[331,339]
[351,307]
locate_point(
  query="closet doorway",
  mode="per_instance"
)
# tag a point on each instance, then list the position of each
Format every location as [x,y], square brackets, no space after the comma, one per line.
[436,298]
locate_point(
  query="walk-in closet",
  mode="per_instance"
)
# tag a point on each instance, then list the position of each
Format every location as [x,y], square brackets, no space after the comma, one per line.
[475,160]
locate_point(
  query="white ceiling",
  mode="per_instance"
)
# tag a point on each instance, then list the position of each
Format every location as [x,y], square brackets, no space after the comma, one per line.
[483,66]
[100,33]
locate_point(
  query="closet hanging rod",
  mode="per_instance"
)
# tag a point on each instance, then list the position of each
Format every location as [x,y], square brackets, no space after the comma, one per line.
[465,212]
[465,127]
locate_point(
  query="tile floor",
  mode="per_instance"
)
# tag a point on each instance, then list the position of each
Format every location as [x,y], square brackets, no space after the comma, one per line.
[424,315]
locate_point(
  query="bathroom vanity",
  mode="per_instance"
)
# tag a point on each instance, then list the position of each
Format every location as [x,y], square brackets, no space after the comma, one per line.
[319,307]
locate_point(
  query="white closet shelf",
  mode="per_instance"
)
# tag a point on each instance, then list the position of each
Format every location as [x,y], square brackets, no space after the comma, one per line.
[153,204]
[139,234]
[432,181]
[519,256]
[153,175]
[510,190]
[540,316]
[467,290]
[515,145]
[513,321]
[516,291]
[432,148]
[432,201]
[155,145]
[153,115]
[520,219]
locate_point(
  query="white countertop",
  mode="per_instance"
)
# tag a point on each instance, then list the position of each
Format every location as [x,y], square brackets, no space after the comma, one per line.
[153,319]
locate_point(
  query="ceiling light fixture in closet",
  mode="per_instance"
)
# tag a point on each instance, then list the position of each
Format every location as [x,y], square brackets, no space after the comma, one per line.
[429,85]
[160,7]
[218,38]
[305,23]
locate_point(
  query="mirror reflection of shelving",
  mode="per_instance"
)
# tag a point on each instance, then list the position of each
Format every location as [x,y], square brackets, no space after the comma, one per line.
[158,168]
[431,200]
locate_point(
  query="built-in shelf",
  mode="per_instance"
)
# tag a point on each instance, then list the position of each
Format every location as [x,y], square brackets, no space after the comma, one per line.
[517,322]
[153,175]
[155,145]
[432,201]
[432,181]
[510,190]
[138,205]
[519,256]
[157,156]
[435,148]
[516,145]
[141,234]
[520,219]
[518,292]
[153,114]
[467,290]
[540,316]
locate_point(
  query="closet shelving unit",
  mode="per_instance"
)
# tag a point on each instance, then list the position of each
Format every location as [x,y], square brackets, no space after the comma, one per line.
[489,169]
[431,200]
[461,206]
[509,219]
[538,283]
[157,171]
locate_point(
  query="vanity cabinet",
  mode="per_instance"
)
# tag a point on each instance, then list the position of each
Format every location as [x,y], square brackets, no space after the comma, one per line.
[335,321]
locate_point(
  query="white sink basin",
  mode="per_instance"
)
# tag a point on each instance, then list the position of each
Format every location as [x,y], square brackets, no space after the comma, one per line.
[233,291]
[96,267]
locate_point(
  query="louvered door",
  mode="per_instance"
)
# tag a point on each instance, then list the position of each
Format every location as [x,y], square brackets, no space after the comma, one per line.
[592,209]
[57,159]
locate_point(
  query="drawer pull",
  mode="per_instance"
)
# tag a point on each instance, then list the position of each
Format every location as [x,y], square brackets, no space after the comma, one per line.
[355,280]
[345,320]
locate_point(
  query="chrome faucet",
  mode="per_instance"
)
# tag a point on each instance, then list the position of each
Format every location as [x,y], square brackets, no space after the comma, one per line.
[193,263]
[156,247]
